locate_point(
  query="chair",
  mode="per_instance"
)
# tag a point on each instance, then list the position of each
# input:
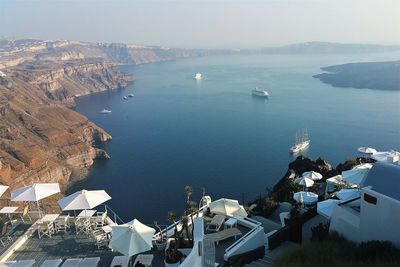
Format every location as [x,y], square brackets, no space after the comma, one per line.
[120,261]
[98,221]
[224,234]
[100,237]
[5,238]
[89,262]
[45,229]
[216,223]
[71,262]
[146,260]
[51,263]
[25,214]
[62,223]
[83,226]
[23,263]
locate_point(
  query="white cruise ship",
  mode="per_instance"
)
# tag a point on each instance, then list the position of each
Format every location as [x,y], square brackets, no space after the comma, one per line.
[259,91]
[197,76]
[301,142]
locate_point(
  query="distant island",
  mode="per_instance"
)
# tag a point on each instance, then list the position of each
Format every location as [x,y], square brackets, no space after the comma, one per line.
[368,75]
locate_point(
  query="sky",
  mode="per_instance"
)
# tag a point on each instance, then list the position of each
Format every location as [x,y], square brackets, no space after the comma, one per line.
[204,23]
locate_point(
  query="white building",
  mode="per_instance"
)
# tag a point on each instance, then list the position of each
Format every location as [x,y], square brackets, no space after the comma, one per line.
[376,215]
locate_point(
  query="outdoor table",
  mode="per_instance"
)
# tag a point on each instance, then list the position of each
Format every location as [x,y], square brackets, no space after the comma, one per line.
[49,218]
[145,259]
[122,261]
[90,262]
[86,213]
[71,263]
[230,223]
[107,229]
[51,263]
[23,263]
[8,211]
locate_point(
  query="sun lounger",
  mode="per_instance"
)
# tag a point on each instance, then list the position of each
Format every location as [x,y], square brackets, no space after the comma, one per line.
[146,260]
[71,263]
[224,234]
[120,261]
[23,263]
[89,262]
[7,263]
[51,263]
[216,223]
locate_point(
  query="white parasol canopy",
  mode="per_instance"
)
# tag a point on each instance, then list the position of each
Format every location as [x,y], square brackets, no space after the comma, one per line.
[315,176]
[131,238]
[338,180]
[83,200]
[348,194]
[304,181]
[325,208]
[386,156]
[307,197]
[3,188]
[225,206]
[35,192]
[366,150]
[355,176]
[363,166]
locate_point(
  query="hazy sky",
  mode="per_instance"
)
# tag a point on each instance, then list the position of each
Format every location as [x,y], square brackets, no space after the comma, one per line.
[205,23]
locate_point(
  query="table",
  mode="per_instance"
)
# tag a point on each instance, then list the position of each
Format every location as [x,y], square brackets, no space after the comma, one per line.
[107,229]
[86,213]
[144,259]
[8,211]
[122,261]
[49,218]
[230,223]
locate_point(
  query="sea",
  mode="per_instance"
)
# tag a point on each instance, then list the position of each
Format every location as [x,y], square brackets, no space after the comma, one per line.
[215,136]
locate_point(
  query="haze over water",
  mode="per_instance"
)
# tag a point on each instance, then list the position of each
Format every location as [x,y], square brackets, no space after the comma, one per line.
[214,134]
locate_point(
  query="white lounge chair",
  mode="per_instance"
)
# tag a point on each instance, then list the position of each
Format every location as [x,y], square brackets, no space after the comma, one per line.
[71,263]
[224,234]
[121,261]
[51,263]
[145,259]
[89,262]
[216,223]
[7,263]
[24,263]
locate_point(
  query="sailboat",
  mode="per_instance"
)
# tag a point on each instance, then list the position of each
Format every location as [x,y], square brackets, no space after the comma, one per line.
[301,141]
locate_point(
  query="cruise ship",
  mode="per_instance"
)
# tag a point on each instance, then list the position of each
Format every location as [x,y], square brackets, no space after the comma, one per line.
[105,111]
[259,91]
[197,76]
[301,142]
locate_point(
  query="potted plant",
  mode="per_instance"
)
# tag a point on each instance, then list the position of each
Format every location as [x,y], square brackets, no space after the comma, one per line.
[161,241]
[173,256]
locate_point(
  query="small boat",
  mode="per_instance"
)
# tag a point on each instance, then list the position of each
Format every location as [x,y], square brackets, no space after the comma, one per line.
[259,91]
[197,76]
[105,111]
[301,142]
[130,95]
[125,98]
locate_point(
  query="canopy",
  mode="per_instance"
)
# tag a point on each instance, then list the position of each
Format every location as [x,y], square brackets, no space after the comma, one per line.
[384,156]
[325,208]
[305,197]
[83,200]
[338,180]
[304,181]
[3,188]
[312,175]
[354,176]
[366,150]
[363,166]
[35,192]
[348,194]
[131,238]
[225,206]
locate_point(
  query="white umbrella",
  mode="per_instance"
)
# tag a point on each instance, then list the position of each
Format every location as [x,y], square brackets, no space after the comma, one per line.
[312,175]
[3,188]
[338,180]
[35,192]
[308,197]
[83,200]
[363,166]
[354,176]
[348,194]
[225,206]
[366,150]
[385,156]
[325,208]
[304,181]
[131,238]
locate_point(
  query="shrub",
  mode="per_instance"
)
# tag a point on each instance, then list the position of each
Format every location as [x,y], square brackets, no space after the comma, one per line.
[377,250]
[320,232]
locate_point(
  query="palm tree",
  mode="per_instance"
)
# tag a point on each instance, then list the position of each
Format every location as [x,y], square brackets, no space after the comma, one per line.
[185,224]
[191,210]
[188,191]
[172,219]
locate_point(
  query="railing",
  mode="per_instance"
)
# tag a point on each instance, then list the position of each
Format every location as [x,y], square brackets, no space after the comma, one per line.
[113,215]
[278,237]
[242,239]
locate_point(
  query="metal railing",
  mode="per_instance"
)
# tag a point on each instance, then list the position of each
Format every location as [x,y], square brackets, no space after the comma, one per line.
[243,238]
[113,215]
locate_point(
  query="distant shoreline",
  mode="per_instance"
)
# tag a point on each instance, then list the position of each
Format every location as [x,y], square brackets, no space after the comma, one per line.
[368,75]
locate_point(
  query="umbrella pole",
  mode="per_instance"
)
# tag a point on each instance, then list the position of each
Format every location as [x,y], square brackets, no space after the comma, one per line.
[38,206]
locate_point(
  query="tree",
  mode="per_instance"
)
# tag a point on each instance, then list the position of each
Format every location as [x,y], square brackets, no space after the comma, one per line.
[188,191]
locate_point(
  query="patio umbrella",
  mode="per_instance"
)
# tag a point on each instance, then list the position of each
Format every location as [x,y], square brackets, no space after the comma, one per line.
[83,200]
[315,176]
[225,206]
[308,197]
[354,176]
[384,156]
[366,150]
[363,166]
[131,238]
[304,181]
[35,192]
[338,180]
[3,188]
[325,208]
[348,194]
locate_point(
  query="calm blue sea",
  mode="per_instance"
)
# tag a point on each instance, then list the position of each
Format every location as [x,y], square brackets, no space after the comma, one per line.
[214,134]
